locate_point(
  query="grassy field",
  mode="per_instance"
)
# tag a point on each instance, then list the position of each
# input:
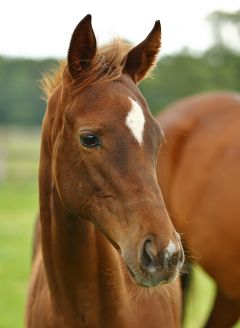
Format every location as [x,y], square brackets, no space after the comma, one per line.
[18,208]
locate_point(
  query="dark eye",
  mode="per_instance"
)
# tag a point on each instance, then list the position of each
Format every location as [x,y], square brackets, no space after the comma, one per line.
[89,139]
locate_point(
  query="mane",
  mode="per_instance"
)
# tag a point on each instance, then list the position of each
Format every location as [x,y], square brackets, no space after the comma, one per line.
[107,66]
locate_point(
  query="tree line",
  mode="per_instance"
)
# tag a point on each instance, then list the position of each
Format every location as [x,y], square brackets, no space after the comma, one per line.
[177,75]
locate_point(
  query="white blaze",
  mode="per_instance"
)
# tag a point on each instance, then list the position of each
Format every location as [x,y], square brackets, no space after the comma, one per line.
[135,120]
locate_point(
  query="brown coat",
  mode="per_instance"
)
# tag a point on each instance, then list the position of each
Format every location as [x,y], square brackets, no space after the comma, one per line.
[199,175]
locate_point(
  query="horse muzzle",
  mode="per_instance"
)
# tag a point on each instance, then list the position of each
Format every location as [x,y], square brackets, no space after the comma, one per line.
[155,266]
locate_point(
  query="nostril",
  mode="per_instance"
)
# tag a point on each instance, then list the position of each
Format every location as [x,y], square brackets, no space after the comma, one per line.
[167,261]
[147,257]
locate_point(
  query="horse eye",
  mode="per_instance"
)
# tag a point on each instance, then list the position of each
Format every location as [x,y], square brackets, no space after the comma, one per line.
[90,140]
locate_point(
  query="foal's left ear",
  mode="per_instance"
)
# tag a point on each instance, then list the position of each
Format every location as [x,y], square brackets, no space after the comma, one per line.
[83,47]
[141,58]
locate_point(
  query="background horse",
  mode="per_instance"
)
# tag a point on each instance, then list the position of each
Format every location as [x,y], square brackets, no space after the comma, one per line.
[102,216]
[199,174]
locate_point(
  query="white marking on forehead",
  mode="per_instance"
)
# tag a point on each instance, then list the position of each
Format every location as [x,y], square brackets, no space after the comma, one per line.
[135,120]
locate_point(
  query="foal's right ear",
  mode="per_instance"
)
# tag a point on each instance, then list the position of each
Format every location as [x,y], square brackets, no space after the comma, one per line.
[143,57]
[83,47]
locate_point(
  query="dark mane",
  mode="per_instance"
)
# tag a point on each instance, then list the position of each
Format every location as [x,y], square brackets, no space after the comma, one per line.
[107,66]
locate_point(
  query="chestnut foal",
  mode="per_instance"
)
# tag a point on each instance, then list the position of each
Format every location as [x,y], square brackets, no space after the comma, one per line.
[102,216]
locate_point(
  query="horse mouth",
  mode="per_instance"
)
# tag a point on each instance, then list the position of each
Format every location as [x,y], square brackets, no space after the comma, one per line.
[145,280]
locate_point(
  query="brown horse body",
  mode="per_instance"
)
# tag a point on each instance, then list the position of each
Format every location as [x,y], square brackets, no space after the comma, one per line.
[102,214]
[199,175]
[98,294]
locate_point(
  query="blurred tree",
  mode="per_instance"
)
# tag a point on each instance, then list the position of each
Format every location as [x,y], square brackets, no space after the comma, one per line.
[219,19]
[183,74]
[20,101]
[176,76]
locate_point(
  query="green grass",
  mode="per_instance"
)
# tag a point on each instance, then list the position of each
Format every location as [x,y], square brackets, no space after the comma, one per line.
[200,299]
[18,209]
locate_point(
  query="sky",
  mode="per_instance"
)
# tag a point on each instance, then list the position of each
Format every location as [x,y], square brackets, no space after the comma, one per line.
[43,28]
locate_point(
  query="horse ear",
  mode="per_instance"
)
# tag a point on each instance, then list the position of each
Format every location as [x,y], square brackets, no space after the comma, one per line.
[142,57]
[83,47]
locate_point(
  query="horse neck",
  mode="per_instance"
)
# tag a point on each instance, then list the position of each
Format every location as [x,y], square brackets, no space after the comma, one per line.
[79,261]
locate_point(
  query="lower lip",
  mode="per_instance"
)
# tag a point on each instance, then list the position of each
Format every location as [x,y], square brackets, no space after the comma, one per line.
[150,283]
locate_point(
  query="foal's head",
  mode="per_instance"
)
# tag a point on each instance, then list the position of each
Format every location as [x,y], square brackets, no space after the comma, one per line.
[104,150]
